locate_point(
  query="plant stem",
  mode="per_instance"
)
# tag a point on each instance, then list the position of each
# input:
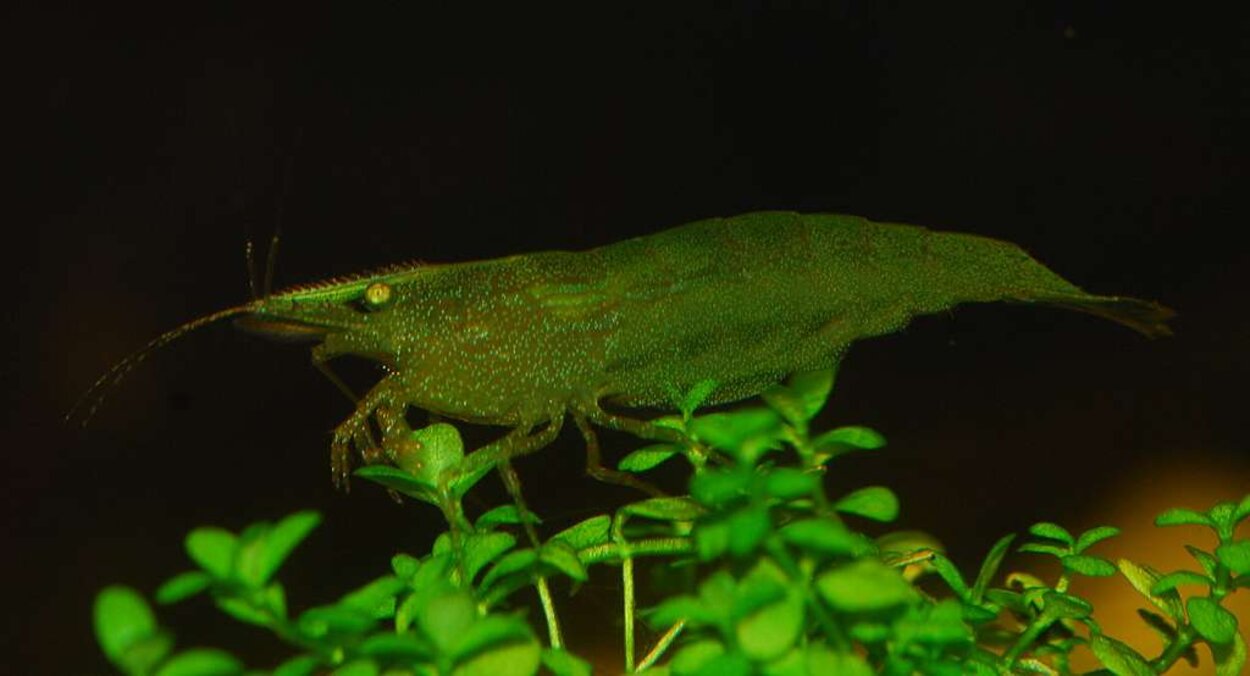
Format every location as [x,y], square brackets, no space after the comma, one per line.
[549,610]
[662,645]
[652,547]
[1030,634]
[627,579]
[1184,638]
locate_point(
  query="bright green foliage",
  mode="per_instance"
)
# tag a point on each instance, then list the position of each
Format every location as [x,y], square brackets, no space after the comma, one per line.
[781,582]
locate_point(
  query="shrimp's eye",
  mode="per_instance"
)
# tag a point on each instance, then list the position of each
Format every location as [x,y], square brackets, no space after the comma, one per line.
[378,295]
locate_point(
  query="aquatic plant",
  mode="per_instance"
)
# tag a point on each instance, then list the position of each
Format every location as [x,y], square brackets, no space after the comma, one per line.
[778,579]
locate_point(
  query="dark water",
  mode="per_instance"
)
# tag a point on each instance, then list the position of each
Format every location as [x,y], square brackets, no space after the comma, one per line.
[1110,143]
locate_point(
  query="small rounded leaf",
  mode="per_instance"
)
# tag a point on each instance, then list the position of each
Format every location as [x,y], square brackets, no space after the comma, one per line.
[1183,517]
[747,529]
[864,585]
[822,536]
[282,539]
[589,533]
[666,509]
[1235,555]
[513,659]
[788,483]
[1052,531]
[182,586]
[768,633]
[564,663]
[1118,657]
[122,619]
[644,459]
[1092,566]
[1210,620]
[201,662]
[445,619]
[213,549]
[559,555]
[874,502]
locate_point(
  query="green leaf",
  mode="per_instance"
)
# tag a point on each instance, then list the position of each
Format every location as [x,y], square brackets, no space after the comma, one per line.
[1052,531]
[696,396]
[462,482]
[802,397]
[692,658]
[397,647]
[821,660]
[1235,555]
[362,667]
[243,610]
[492,632]
[335,620]
[648,457]
[400,481]
[1204,559]
[589,533]
[122,620]
[428,451]
[564,663]
[182,586]
[483,548]
[1158,623]
[559,555]
[1092,566]
[711,539]
[512,563]
[716,488]
[769,632]
[1230,658]
[1243,509]
[513,659]
[812,388]
[249,558]
[825,537]
[744,434]
[1184,517]
[864,585]
[201,662]
[950,574]
[1143,578]
[666,509]
[1210,620]
[213,549]
[1173,580]
[1039,548]
[405,566]
[1222,515]
[446,618]
[275,599]
[846,439]
[874,502]
[1118,657]
[747,529]
[1060,606]
[282,539]
[989,567]
[504,514]
[936,625]
[1093,536]
[375,599]
[675,609]
[788,483]
[300,665]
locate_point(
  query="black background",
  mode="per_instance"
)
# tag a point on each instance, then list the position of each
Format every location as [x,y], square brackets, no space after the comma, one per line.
[152,142]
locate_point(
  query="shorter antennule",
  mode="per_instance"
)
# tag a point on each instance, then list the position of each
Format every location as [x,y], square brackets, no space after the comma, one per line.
[94,396]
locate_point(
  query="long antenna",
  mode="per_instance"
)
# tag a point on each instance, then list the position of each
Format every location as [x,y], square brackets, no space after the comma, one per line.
[94,395]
